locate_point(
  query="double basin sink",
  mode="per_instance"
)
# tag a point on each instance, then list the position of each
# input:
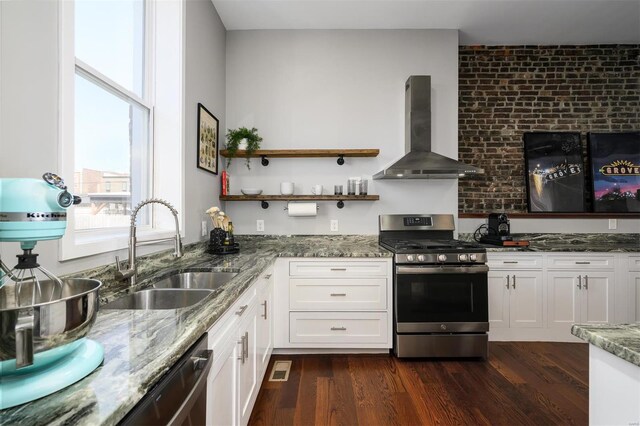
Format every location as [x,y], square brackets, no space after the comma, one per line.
[173,292]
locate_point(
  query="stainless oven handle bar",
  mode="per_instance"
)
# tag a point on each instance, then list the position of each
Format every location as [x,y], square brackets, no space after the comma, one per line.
[421,270]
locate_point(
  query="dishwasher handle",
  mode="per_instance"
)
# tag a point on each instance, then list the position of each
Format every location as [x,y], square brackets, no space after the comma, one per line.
[177,396]
[186,406]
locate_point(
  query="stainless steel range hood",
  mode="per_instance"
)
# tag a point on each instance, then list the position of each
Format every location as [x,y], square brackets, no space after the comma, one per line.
[420,162]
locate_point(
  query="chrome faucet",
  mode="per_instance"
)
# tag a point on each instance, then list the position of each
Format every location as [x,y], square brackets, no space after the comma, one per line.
[131,272]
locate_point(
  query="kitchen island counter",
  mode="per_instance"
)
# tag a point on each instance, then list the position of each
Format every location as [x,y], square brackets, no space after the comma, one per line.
[140,346]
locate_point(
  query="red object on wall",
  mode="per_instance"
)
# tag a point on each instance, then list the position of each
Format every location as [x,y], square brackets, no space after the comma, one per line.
[224,181]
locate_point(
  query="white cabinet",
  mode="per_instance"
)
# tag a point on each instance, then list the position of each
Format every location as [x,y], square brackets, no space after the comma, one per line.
[264,334]
[515,299]
[581,289]
[632,295]
[333,303]
[242,342]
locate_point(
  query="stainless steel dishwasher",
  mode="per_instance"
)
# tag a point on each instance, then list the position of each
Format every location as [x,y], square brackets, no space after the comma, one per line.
[180,397]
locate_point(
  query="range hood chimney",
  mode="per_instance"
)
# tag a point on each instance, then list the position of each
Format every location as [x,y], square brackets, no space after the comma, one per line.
[419,161]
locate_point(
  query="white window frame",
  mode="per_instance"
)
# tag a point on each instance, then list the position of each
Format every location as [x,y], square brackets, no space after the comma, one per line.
[82,243]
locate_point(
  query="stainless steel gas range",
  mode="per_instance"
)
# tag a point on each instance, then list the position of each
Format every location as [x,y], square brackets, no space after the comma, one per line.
[439,290]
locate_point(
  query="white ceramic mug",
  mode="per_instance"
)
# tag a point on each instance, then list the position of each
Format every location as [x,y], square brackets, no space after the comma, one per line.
[316,189]
[286,188]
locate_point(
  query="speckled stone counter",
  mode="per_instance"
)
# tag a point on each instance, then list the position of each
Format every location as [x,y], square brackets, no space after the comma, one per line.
[622,340]
[140,346]
[621,243]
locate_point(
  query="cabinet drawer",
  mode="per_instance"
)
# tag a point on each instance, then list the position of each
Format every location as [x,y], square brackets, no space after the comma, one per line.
[581,262]
[338,268]
[339,328]
[634,263]
[315,294]
[509,261]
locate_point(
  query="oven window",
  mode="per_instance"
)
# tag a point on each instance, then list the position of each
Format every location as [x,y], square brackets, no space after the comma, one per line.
[441,298]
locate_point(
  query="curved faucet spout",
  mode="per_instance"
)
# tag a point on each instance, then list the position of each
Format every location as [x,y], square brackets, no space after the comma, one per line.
[131,271]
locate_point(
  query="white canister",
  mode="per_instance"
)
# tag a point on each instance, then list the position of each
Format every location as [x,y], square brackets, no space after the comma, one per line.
[286,188]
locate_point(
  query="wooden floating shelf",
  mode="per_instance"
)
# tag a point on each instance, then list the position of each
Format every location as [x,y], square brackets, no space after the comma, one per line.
[299,197]
[304,153]
[554,215]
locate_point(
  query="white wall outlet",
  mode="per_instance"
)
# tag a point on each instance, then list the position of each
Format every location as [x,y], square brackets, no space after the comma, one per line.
[334,225]
[204,228]
[260,225]
[613,223]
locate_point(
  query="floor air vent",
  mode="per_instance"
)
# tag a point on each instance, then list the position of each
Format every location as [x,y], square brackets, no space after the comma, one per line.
[280,371]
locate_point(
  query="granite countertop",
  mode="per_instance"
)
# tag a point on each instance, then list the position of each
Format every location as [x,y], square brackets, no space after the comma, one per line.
[622,340]
[140,346]
[621,243]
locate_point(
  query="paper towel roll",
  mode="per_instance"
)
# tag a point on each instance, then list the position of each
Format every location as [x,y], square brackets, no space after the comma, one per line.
[302,209]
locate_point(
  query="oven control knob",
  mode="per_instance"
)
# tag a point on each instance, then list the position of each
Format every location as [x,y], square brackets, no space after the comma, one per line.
[463,257]
[473,257]
[410,257]
[421,258]
[442,258]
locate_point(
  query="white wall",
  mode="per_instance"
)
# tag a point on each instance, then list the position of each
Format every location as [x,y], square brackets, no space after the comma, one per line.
[29,96]
[338,89]
[205,83]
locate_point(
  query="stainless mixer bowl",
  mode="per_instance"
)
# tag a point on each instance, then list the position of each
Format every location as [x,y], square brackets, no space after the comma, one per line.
[47,323]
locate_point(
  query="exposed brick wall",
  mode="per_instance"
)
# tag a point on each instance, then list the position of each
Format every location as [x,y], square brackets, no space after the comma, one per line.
[505,91]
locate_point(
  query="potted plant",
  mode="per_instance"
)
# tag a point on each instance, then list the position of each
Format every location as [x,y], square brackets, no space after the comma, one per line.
[235,140]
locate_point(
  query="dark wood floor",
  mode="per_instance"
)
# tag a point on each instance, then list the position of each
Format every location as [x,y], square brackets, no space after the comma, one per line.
[520,384]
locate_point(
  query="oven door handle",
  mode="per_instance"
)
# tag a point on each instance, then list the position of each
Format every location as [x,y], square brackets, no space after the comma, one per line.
[421,270]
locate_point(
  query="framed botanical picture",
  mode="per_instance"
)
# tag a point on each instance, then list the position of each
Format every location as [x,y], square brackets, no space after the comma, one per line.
[554,168]
[615,167]
[207,140]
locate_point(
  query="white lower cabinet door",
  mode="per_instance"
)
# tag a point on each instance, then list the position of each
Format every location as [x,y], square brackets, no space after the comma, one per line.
[247,375]
[563,303]
[634,296]
[498,299]
[526,301]
[221,389]
[597,297]
[264,336]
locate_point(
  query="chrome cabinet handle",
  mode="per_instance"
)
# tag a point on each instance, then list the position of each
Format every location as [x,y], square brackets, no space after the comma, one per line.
[242,309]
[241,343]
[338,269]
[510,261]
[586,282]
[583,263]
[508,282]
[579,282]
[338,328]
[338,294]
[514,282]
[265,310]
[245,351]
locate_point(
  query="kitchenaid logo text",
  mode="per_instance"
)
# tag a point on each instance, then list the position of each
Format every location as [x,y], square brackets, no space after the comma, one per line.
[619,168]
[32,216]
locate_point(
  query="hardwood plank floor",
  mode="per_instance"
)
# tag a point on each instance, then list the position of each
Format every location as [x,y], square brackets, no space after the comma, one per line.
[521,383]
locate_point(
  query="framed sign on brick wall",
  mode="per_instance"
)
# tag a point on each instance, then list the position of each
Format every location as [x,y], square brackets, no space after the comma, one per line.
[615,166]
[554,168]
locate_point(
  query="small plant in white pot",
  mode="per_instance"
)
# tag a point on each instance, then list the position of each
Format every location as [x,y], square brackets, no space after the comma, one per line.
[242,139]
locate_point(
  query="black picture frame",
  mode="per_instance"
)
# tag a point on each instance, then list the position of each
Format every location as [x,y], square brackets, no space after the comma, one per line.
[208,140]
[554,172]
[615,171]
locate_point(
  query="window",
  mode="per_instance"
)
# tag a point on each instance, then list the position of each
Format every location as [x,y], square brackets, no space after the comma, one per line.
[112,111]
[121,67]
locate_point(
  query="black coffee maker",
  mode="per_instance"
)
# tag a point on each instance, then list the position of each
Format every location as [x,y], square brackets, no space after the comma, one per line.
[498,230]
[499,224]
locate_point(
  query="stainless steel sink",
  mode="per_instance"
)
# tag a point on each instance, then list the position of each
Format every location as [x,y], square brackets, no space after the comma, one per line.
[158,299]
[196,280]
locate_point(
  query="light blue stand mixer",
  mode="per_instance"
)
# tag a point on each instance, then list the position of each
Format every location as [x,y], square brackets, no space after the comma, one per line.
[43,319]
